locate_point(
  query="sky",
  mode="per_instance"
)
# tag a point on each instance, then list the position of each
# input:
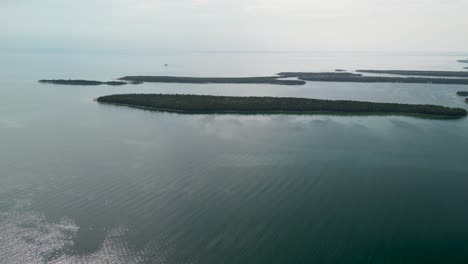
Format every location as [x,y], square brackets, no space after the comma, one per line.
[269,25]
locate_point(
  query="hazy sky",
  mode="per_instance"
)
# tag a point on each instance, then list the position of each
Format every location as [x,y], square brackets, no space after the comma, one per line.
[341,25]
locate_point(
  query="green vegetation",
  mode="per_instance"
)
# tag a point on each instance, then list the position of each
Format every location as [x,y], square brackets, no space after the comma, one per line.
[223,104]
[462,93]
[420,73]
[201,80]
[350,77]
[82,82]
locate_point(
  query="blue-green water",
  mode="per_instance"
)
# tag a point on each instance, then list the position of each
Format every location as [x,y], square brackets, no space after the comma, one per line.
[87,183]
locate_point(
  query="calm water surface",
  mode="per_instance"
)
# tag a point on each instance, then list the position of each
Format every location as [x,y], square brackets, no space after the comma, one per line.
[87,183]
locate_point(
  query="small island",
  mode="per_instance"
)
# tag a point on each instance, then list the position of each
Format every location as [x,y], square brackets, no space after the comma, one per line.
[463,61]
[419,73]
[462,93]
[205,80]
[83,82]
[351,77]
[265,105]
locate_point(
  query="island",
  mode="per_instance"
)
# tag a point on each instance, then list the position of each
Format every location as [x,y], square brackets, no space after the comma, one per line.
[463,61]
[317,74]
[291,78]
[83,82]
[265,105]
[419,73]
[350,77]
[462,93]
[205,80]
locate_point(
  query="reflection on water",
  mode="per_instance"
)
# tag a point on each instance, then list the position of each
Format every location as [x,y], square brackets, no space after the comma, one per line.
[87,183]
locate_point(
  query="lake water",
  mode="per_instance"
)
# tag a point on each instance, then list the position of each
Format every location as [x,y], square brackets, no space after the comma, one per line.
[87,183]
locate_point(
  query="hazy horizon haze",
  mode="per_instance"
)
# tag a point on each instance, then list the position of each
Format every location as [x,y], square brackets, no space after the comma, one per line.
[298,25]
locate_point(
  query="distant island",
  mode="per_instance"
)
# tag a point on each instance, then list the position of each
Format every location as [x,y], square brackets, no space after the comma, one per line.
[350,77]
[84,82]
[462,93]
[293,78]
[317,74]
[203,80]
[420,73]
[252,105]
[463,61]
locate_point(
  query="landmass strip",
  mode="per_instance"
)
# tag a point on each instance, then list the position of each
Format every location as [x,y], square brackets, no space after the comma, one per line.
[349,77]
[202,80]
[419,73]
[172,79]
[306,76]
[252,105]
[86,82]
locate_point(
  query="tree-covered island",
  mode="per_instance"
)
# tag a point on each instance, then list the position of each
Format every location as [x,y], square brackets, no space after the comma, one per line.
[350,77]
[252,105]
[83,82]
[419,73]
[219,80]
